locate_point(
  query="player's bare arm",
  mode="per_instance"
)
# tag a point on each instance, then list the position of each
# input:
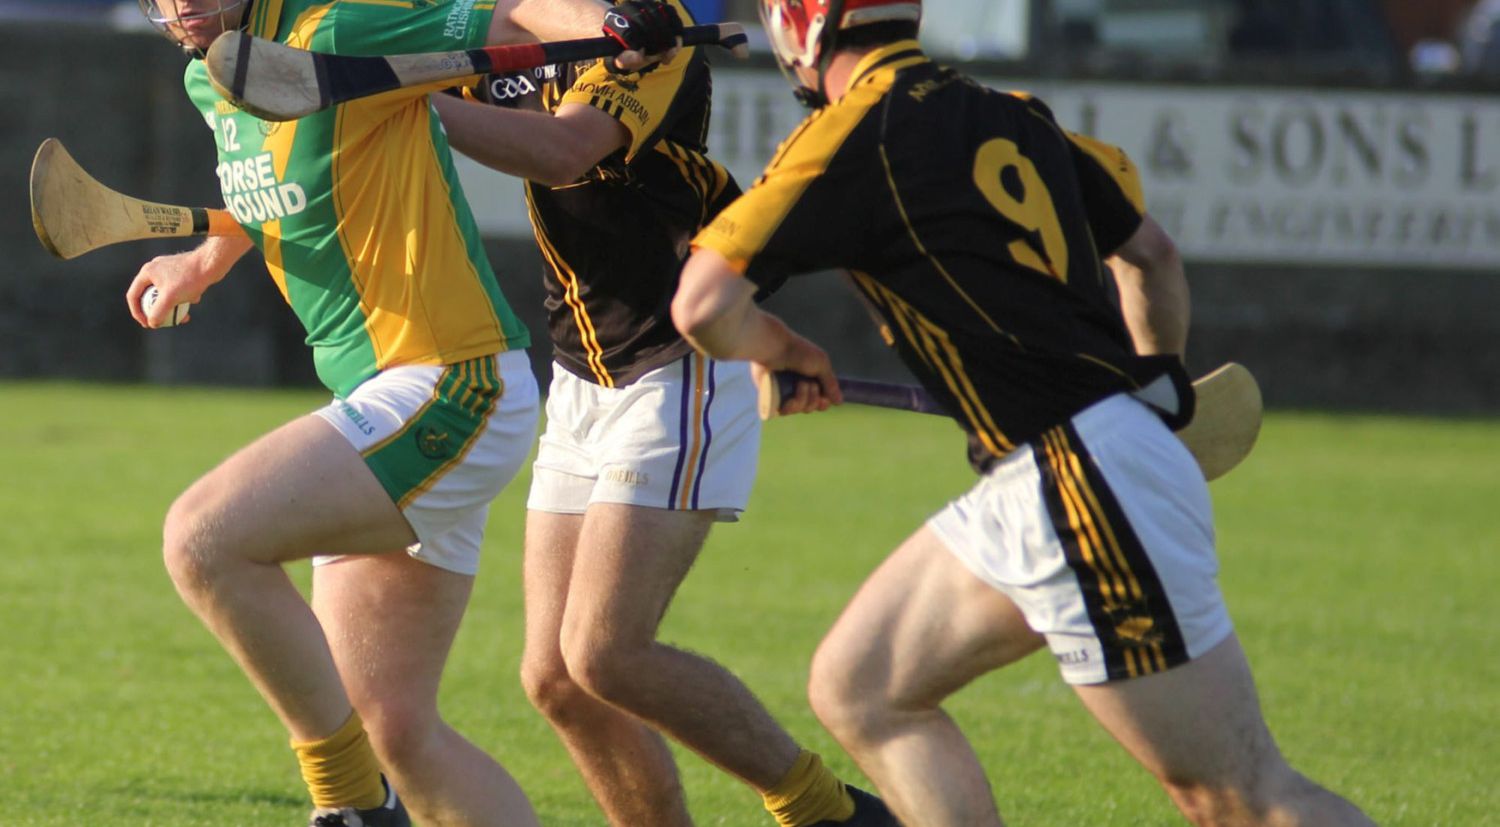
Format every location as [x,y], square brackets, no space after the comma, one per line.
[526,21]
[715,310]
[1153,290]
[183,277]
[554,149]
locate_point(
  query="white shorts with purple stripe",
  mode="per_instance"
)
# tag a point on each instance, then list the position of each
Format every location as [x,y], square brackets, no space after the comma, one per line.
[684,437]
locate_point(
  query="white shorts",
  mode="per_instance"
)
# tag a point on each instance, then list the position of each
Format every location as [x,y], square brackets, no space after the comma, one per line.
[684,437]
[1101,531]
[443,441]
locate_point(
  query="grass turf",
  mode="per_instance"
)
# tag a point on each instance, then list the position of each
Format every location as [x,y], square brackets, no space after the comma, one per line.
[1360,557]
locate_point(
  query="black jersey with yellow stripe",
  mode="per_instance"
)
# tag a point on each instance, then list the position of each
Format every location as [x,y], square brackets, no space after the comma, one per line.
[975,225]
[614,241]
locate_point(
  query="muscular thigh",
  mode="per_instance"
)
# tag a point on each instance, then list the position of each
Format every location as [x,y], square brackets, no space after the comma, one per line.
[1200,721]
[390,621]
[628,564]
[551,542]
[922,626]
[298,491]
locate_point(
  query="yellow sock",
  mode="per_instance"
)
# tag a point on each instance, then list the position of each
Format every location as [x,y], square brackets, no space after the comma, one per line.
[809,793]
[341,770]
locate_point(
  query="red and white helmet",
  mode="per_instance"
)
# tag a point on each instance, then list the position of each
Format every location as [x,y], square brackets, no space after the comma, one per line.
[801,35]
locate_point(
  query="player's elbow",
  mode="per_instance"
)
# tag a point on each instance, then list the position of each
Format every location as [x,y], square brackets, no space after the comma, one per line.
[692,313]
[561,168]
[697,310]
[1151,249]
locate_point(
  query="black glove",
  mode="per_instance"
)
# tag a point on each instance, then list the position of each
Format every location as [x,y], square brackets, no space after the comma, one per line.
[646,26]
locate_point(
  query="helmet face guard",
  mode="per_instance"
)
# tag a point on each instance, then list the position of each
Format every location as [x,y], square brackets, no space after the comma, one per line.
[172,23]
[797,30]
[804,35]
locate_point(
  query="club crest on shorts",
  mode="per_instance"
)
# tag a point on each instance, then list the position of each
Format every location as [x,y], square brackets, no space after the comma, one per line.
[1133,624]
[433,443]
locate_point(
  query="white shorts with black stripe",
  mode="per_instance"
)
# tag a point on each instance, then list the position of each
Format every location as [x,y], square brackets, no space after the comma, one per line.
[1101,531]
[683,437]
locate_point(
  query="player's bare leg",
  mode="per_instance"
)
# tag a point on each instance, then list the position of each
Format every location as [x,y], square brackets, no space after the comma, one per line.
[300,490]
[920,628]
[1198,728]
[630,561]
[627,766]
[390,621]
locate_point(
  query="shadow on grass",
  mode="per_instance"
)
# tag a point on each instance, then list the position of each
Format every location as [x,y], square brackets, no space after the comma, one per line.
[142,788]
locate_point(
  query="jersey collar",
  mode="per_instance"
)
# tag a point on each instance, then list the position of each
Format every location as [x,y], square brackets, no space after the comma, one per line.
[907,52]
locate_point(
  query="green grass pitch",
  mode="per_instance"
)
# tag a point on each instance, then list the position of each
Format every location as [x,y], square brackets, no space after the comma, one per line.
[1361,561]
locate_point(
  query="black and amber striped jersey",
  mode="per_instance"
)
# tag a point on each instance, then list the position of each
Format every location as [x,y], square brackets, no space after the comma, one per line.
[614,241]
[975,225]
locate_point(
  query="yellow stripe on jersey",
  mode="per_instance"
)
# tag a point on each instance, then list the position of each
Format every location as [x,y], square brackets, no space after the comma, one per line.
[802,158]
[279,144]
[264,16]
[937,265]
[571,297]
[1119,166]
[799,162]
[638,102]
[933,344]
[375,200]
[400,4]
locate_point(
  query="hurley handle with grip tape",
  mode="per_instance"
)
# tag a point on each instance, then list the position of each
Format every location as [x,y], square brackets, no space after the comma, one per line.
[275,82]
[912,398]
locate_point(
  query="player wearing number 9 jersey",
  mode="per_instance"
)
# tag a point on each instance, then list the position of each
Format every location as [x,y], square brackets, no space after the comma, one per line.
[976,226]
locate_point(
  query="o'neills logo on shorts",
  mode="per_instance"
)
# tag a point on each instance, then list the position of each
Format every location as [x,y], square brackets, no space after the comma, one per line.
[253,194]
[626,476]
[457,26]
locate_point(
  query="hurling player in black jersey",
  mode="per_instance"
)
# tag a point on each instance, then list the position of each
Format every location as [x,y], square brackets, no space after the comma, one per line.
[976,226]
[648,443]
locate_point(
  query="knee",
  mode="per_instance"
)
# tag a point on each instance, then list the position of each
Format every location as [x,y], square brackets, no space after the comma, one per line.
[605,671]
[1200,803]
[847,707]
[187,547]
[1252,799]
[550,688]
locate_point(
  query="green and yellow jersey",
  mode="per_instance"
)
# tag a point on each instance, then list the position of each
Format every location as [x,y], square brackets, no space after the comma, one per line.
[977,228]
[614,241]
[357,209]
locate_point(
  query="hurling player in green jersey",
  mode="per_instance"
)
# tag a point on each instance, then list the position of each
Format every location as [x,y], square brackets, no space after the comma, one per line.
[364,228]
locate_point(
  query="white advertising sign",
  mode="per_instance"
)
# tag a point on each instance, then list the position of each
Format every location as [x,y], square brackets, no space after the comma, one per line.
[1276,175]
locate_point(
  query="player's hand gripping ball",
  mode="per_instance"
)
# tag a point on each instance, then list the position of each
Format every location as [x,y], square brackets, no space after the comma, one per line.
[647,26]
[178,315]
